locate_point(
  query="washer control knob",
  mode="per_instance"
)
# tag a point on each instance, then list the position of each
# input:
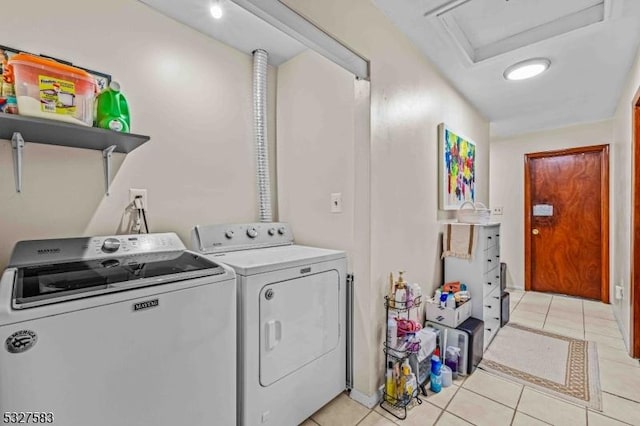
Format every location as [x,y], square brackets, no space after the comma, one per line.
[282,230]
[272,231]
[229,234]
[110,245]
[252,232]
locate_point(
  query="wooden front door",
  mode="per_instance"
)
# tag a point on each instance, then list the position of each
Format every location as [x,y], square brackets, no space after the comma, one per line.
[567,222]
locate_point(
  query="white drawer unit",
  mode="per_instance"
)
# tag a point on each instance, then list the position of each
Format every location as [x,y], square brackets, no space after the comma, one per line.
[481,274]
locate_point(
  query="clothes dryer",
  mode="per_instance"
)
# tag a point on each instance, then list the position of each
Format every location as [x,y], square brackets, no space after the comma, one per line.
[291,320]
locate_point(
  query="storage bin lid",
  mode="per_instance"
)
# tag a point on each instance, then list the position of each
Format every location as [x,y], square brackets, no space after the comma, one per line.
[40,62]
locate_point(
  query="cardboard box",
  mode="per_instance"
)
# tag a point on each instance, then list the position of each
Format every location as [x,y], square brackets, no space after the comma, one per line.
[448,316]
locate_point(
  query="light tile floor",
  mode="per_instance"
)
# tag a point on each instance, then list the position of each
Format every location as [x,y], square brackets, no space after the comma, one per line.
[484,399]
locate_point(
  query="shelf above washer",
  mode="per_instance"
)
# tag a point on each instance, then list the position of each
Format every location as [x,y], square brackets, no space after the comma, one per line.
[19,129]
[53,132]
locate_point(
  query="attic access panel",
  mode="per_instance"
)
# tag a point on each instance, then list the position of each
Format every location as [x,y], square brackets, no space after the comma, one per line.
[488,28]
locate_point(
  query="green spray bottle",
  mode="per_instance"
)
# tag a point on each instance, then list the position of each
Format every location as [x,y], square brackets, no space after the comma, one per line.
[112,110]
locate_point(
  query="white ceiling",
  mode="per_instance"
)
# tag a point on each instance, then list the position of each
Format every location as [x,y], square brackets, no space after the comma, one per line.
[270,25]
[238,28]
[591,45]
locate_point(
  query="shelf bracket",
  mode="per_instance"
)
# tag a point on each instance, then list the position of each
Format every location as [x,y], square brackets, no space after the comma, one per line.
[106,155]
[17,143]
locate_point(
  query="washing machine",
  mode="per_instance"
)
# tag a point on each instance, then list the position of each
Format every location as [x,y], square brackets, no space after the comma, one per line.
[291,320]
[117,330]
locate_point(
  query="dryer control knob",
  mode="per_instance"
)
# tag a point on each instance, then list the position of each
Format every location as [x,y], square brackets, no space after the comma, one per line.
[272,231]
[282,230]
[229,234]
[252,232]
[110,245]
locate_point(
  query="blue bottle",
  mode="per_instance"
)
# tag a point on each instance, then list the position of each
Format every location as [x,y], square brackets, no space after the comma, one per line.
[443,299]
[436,374]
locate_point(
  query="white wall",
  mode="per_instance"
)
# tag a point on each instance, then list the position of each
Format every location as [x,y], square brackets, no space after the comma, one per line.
[622,153]
[321,138]
[408,100]
[315,130]
[191,94]
[507,182]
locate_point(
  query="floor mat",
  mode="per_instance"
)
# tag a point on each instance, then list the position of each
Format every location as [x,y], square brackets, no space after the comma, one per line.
[559,365]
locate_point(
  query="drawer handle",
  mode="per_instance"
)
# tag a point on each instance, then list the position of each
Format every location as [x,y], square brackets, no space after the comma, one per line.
[489,237]
[488,260]
[488,329]
[497,235]
[489,283]
[487,306]
[496,318]
[496,297]
[498,276]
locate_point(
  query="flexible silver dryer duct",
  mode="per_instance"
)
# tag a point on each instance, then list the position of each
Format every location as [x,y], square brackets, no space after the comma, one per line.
[260,128]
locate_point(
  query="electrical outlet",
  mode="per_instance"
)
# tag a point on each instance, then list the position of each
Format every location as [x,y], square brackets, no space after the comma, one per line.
[133,193]
[336,202]
[619,291]
[497,210]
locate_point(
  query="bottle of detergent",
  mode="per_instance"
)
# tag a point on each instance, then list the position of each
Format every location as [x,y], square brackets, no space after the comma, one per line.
[112,110]
[452,360]
[436,374]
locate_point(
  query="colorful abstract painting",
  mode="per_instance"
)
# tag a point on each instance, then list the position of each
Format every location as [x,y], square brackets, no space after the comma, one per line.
[457,169]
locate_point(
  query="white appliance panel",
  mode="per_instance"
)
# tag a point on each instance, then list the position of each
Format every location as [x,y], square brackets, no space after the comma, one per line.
[258,261]
[299,323]
[293,398]
[162,366]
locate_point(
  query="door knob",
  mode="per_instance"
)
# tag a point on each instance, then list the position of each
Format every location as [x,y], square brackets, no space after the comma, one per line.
[535,232]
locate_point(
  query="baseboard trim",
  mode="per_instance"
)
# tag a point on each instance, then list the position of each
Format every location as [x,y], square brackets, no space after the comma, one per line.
[626,338]
[368,401]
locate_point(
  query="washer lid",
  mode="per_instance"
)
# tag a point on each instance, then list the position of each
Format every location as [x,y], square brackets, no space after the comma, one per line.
[55,282]
[258,261]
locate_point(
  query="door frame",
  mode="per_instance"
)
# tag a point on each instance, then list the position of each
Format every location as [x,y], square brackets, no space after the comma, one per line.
[604,211]
[634,285]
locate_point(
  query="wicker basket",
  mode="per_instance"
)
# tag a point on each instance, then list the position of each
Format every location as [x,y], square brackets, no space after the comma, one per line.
[478,213]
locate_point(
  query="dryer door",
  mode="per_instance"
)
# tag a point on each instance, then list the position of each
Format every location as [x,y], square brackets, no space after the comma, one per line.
[299,322]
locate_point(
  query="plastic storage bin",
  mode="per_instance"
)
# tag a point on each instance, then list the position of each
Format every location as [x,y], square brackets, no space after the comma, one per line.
[451,317]
[48,89]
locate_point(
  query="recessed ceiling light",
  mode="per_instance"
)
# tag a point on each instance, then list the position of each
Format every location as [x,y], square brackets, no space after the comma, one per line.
[527,69]
[216,10]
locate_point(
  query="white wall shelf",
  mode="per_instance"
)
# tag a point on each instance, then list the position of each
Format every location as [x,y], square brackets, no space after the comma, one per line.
[19,129]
